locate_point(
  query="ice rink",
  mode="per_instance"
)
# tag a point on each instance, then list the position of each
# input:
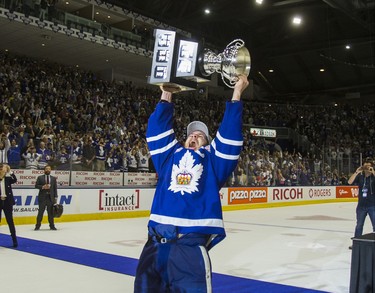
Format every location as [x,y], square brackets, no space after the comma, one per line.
[303,247]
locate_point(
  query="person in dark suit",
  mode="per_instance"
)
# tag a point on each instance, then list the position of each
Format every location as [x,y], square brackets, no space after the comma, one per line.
[7,178]
[47,197]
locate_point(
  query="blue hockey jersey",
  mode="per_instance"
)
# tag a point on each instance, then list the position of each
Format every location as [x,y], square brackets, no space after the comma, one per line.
[187,195]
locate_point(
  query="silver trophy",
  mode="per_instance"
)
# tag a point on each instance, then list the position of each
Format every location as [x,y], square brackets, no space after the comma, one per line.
[234,61]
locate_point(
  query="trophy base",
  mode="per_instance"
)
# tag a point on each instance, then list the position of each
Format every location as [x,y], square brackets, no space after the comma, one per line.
[182,84]
[197,79]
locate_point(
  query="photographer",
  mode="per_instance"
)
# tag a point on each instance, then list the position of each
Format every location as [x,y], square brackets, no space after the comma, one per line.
[364,178]
[31,158]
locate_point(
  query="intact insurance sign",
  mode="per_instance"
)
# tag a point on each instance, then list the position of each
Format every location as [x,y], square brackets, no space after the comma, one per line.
[118,200]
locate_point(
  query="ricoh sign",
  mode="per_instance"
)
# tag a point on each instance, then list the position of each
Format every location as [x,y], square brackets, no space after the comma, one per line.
[295,193]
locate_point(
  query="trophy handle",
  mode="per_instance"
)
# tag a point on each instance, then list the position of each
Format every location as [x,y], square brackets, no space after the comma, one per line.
[237,43]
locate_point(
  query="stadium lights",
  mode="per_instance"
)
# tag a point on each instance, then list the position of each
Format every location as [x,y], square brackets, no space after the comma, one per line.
[297,20]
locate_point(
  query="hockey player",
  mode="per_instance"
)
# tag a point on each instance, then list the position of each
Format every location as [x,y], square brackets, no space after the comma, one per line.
[186,215]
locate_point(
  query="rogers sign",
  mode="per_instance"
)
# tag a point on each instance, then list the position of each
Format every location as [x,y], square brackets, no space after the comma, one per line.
[320,192]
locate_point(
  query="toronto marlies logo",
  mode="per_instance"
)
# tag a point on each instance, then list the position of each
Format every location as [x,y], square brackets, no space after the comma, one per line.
[185,176]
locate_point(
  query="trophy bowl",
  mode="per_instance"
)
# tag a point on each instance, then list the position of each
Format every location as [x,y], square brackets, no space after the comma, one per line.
[232,62]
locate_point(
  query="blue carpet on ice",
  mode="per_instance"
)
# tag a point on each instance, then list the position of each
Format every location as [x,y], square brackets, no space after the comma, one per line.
[125,265]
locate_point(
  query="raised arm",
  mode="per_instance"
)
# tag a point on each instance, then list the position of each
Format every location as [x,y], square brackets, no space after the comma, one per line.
[240,86]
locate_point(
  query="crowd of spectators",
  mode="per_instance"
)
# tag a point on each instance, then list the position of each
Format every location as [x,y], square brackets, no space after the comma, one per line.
[43,9]
[71,119]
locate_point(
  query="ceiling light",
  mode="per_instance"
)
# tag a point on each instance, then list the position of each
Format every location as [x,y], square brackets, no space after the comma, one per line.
[67,2]
[270,70]
[297,20]
[97,13]
[321,69]
[207,11]
[108,16]
[43,44]
[347,47]
[259,2]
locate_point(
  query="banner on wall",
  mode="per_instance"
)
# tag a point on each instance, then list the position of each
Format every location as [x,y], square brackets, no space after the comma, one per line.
[263,132]
[254,195]
[247,195]
[118,200]
[27,201]
[346,191]
[299,193]
[89,178]
[78,201]
[86,201]
[140,179]
[28,177]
